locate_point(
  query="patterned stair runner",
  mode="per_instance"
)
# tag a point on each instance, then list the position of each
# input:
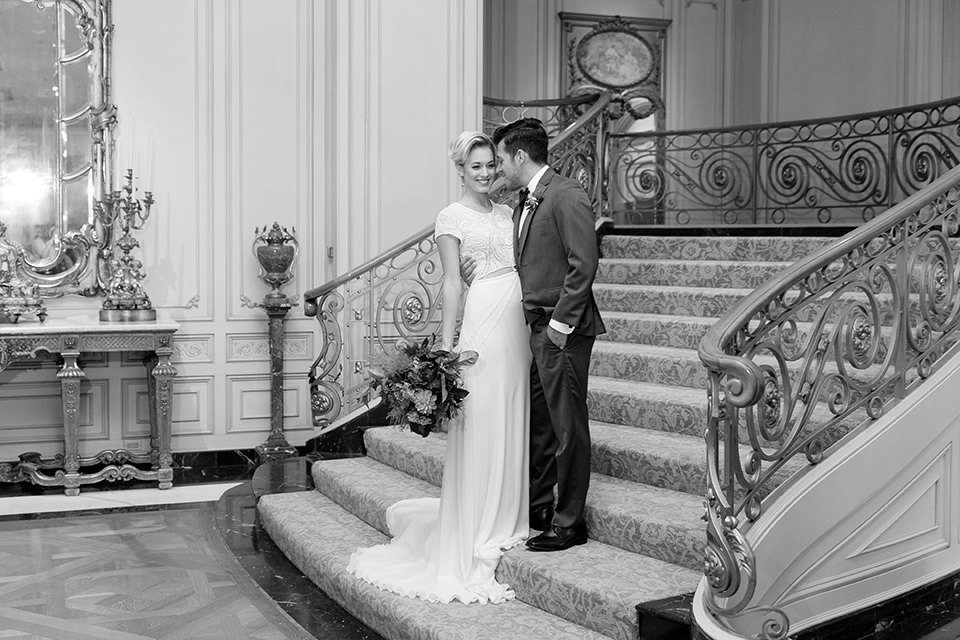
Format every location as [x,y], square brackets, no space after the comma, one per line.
[658,296]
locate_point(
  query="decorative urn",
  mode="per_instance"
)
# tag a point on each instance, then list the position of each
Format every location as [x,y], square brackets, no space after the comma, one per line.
[276,251]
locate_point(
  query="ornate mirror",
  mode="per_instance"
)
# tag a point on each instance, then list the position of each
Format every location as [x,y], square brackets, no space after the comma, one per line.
[56,121]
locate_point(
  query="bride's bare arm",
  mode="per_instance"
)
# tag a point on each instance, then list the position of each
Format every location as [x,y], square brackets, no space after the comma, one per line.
[452,285]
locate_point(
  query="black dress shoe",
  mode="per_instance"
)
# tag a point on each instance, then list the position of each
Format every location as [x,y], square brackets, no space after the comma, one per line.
[541,518]
[559,538]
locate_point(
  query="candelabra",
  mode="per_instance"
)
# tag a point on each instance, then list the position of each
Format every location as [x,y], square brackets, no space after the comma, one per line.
[126,301]
[276,250]
[17,298]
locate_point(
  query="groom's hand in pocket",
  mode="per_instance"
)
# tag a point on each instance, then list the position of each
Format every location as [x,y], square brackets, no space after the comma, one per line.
[557,338]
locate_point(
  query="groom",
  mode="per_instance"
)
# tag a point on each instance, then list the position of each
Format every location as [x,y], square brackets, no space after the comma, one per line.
[556,253]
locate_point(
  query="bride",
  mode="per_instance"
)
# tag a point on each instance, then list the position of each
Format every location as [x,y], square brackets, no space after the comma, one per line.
[448,548]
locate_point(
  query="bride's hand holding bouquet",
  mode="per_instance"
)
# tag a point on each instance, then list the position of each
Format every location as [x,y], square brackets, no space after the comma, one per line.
[422,386]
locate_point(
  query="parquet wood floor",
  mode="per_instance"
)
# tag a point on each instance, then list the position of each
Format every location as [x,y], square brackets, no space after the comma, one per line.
[121,576]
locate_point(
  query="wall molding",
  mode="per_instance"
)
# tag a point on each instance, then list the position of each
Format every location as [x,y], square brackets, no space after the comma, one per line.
[36,409]
[255,347]
[192,407]
[249,403]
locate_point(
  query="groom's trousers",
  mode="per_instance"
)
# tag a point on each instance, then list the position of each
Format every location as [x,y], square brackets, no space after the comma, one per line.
[559,424]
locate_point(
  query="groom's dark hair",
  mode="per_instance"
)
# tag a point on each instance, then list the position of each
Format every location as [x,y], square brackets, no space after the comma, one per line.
[527,134]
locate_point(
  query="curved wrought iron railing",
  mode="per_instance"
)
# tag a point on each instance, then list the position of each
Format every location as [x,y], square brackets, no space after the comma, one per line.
[397,294]
[839,171]
[826,345]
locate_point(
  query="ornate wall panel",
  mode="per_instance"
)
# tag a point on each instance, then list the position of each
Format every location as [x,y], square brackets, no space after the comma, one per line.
[165,78]
[249,405]
[34,411]
[256,347]
[193,349]
[696,64]
[193,408]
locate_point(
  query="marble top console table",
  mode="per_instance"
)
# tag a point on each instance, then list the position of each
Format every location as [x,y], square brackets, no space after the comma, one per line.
[68,338]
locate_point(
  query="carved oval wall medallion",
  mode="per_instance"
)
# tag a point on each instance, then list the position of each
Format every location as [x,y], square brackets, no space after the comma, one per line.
[615,57]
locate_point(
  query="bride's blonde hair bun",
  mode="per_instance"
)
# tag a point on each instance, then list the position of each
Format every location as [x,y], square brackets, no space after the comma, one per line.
[465,143]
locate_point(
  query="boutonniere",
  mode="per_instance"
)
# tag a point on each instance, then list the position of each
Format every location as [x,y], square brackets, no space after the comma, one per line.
[532,203]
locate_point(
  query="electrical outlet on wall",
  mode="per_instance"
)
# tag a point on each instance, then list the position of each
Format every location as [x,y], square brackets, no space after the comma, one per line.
[133,445]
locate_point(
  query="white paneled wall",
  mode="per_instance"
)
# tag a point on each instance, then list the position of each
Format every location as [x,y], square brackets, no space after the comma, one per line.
[732,62]
[329,117]
[798,59]
[525,60]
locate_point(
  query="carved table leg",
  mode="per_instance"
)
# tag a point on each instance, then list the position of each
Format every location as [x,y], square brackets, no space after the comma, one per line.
[150,362]
[160,381]
[70,375]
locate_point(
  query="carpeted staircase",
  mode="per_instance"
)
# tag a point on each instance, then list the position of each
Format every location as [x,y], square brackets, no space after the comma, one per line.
[647,400]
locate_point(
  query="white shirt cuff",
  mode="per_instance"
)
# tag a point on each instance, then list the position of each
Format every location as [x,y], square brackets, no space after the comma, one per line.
[565,329]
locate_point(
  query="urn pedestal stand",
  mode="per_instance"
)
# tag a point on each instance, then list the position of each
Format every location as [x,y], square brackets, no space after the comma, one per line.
[276,251]
[276,447]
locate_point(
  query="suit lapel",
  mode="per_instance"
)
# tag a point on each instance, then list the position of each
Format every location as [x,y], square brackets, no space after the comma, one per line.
[538,194]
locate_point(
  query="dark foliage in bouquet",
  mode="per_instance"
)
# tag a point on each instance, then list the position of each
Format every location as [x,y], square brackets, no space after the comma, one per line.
[422,386]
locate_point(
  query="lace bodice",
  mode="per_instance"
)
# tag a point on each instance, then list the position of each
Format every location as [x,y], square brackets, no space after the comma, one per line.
[485,237]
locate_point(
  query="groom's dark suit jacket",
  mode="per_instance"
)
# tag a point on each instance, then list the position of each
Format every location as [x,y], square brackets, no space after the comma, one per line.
[556,255]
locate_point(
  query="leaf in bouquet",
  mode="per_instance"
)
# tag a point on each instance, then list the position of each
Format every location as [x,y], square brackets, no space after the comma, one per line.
[468,358]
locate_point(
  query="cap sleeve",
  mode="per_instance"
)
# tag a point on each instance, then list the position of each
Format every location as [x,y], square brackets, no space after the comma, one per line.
[448,224]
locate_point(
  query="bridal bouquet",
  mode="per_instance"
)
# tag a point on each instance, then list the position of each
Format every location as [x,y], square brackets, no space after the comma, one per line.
[422,386]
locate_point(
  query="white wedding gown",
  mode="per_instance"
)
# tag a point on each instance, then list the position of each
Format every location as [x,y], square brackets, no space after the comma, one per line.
[448,548]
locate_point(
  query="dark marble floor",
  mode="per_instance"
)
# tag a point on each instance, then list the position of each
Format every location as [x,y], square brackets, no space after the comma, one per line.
[239,526]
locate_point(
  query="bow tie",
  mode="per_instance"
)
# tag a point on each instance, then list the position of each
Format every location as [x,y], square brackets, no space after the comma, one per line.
[523,195]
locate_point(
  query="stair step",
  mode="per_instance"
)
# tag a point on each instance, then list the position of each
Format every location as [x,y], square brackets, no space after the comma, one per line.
[619,512]
[652,406]
[657,458]
[318,535]
[539,578]
[677,301]
[681,273]
[683,332]
[668,366]
[773,248]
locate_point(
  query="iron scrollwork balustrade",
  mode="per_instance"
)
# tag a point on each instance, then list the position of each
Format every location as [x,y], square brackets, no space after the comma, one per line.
[838,171]
[556,115]
[822,348]
[578,152]
[396,295]
[363,314]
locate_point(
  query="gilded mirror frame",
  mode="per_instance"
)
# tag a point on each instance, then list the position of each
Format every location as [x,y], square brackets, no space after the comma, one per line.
[75,262]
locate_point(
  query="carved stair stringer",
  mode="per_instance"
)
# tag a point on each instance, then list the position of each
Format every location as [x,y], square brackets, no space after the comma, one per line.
[871,522]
